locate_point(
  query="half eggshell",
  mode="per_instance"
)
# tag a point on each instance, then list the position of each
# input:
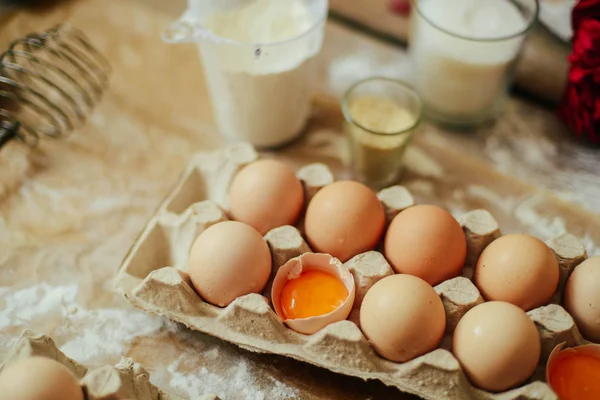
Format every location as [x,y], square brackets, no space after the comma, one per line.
[590,350]
[313,262]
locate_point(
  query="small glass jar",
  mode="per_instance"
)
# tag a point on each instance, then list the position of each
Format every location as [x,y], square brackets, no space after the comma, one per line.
[381,117]
[463,54]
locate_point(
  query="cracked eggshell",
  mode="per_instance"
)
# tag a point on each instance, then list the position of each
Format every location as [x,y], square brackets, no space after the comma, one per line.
[314,262]
[558,354]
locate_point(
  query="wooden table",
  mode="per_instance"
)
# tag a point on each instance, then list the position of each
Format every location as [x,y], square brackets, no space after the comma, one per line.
[67,222]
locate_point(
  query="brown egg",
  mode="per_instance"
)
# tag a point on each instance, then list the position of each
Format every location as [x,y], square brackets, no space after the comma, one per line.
[229,260]
[402,317]
[39,378]
[426,241]
[265,195]
[582,298]
[518,269]
[344,219]
[497,345]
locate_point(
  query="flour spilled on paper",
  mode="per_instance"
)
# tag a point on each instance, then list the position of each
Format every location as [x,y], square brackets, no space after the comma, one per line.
[107,331]
[516,148]
[193,370]
[99,336]
[526,212]
[232,384]
[418,161]
[102,334]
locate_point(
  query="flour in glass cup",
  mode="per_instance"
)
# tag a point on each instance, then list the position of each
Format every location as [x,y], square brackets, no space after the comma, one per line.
[260,84]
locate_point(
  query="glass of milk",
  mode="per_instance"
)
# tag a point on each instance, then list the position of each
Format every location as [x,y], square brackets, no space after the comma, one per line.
[259,63]
[463,53]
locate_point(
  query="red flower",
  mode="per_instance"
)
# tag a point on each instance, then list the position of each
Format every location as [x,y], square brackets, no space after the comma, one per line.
[580,107]
[585,9]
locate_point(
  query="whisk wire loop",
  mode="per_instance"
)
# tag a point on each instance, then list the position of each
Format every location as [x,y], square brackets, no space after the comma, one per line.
[49,84]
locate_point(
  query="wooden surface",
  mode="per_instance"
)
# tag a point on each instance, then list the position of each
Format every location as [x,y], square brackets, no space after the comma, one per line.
[375,14]
[541,71]
[72,215]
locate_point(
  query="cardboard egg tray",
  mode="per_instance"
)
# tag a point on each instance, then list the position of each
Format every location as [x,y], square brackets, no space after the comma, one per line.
[125,380]
[153,277]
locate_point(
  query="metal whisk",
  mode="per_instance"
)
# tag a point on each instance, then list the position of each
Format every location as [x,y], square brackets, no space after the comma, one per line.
[49,84]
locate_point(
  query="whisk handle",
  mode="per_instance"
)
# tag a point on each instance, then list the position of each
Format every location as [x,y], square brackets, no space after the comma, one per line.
[8,131]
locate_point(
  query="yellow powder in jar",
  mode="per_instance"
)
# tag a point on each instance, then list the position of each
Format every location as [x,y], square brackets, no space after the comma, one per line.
[377,159]
[380,114]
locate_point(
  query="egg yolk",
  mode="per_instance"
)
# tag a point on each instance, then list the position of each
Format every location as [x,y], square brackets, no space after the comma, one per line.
[576,377]
[311,294]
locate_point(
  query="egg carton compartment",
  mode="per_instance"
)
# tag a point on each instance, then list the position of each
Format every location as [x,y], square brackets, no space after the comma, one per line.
[153,277]
[125,380]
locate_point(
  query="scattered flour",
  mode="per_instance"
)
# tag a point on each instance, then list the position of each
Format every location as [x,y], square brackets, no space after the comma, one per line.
[236,383]
[100,332]
[540,225]
[106,332]
[526,213]
[506,204]
[418,161]
[523,210]
[567,169]
[23,306]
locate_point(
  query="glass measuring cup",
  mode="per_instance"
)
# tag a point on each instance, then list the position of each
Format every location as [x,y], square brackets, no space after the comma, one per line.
[259,63]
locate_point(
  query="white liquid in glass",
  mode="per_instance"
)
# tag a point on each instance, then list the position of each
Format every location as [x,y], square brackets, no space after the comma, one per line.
[459,78]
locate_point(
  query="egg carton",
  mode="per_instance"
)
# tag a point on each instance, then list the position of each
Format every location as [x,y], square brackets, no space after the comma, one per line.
[125,380]
[153,277]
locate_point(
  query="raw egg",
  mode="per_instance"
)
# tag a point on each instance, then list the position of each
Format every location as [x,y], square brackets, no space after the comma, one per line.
[39,378]
[426,241]
[582,298]
[402,317]
[312,291]
[574,374]
[311,294]
[265,195]
[344,219]
[518,269]
[497,345]
[228,260]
